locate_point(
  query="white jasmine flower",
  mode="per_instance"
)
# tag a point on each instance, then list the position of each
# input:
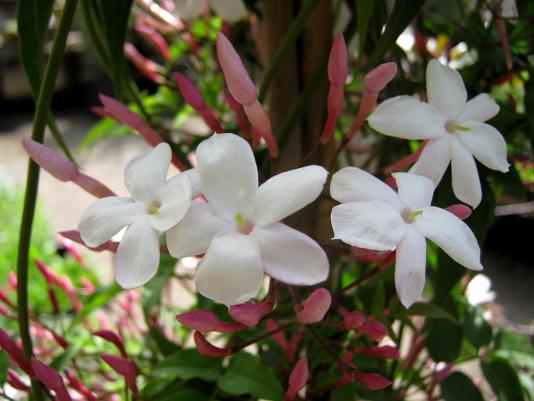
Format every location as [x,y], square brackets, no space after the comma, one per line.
[454,128]
[228,10]
[155,206]
[239,229]
[374,216]
[478,290]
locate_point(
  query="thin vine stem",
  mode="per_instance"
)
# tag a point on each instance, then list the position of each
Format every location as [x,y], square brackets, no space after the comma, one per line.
[43,101]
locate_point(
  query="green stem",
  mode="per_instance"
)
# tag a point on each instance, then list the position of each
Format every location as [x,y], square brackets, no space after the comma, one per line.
[40,119]
[294,30]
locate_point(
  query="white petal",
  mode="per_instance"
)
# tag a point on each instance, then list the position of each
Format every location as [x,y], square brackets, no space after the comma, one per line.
[228,175]
[229,10]
[445,89]
[410,266]
[194,181]
[192,235]
[351,184]
[188,9]
[486,144]
[174,198]
[480,108]
[414,190]
[452,235]
[465,180]
[434,159]
[145,175]
[291,256]
[371,225]
[106,217]
[286,193]
[231,271]
[408,118]
[138,255]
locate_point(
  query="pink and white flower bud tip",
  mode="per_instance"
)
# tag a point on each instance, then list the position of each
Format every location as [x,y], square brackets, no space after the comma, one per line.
[315,307]
[379,77]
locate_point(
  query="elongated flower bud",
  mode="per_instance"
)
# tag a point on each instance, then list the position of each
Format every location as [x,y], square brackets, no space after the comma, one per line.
[195,99]
[75,236]
[50,160]
[205,321]
[315,307]
[352,320]
[154,38]
[147,67]
[460,211]
[377,79]
[15,381]
[373,329]
[125,367]
[251,314]
[262,125]
[113,338]
[297,379]
[4,298]
[373,381]
[239,83]
[78,386]
[51,379]
[208,349]
[385,352]
[239,113]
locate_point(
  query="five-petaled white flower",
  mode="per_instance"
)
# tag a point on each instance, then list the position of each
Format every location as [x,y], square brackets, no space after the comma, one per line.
[454,128]
[374,216]
[239,229]
[155,206]
[228,10]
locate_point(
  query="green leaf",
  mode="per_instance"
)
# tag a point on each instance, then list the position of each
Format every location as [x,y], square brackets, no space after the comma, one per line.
[246,375]
[4,364]
[188,364]
[503,379]
[430,311]
[476,329]
[403,13]
[458,386]
[444,340]
[365,10]
[183,395]
[153,289]
[32,25]
[515,348]
[63,360]
[99,298]
[379,300]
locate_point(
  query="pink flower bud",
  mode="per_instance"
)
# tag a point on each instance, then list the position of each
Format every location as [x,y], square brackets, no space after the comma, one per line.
[337,61]
[352,320]
[60,340]
[157,40]
[261,123]
[4,298]
[15,381]
[460,211]
[297,379]
[407,161]
[195,99]
[315,307]
[49,274]
[251,314]
[276,334]
[52,296]
[6,313]
[71,250]
[206,321]
[373,329]
[124,367]
[377,79]
[75,236]
[51,379]
[92,186]
[87,285]
[235,74]
[385,352]
[293,345]
[239,113]
[147,67]
[208,349]
[334,106]
[373,381]
[50,160]
[12,280]
[113,338]
[78,386]
[380,258]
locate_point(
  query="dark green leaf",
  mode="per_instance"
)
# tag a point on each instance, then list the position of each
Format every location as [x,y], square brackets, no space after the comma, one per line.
[476,329]
[430,311]
[61,361]
[246,375]
[4,364]
[188,364]
[379,300]
[403,13]
[515,348]
[153,289]
[365,10]
[444,340]
[32,23]
[183,395]
[458,386]
[503,379]
[344,393]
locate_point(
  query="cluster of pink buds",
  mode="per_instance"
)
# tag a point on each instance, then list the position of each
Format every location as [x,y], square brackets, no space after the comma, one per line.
[54,281]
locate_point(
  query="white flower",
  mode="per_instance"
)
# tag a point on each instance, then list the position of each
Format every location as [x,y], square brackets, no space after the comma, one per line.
[155,207]
[454,129]
[228,10]
[239,229]
[373,216]
[478,290]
